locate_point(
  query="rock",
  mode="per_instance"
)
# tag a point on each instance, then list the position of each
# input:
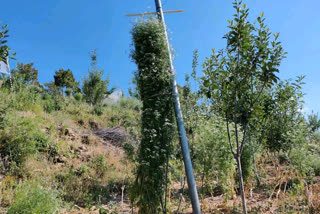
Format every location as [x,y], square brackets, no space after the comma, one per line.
[83,148]
[85,139]
[86,158]
[61,159]
[117,136]
[113,98]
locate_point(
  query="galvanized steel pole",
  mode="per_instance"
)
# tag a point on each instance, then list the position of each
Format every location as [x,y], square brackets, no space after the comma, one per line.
[182,132]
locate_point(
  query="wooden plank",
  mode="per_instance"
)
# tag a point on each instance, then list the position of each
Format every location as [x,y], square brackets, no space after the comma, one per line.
[154,13]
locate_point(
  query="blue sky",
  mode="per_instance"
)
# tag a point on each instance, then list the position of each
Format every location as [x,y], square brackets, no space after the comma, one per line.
[60,33]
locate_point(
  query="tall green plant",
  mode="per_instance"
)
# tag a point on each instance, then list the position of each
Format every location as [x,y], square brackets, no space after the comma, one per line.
[4,48]
[94,87]
[154,85]
[31,198]
[234,78]
[282,123]
[65,79]
[26,73]
[191,105]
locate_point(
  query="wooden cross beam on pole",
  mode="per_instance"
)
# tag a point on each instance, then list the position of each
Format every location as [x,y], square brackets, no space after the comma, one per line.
[154,13]
[179,119]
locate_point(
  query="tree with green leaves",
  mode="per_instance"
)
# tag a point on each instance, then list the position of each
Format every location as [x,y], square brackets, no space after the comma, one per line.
[94,88]
[281,120]
[190,103]
[26,73]
[65,79]
[235,77]
[313,122]
[157,129]
[4,48]
[51,88]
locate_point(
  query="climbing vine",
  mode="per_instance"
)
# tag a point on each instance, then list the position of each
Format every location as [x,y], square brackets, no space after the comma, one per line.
[154,85]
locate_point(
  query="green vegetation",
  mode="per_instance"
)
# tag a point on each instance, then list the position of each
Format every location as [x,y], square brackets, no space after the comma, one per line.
[25,74]
[94,87]
[32,198]
[65,79]
[157,122]
[4,48]
[65,149]
[236,77]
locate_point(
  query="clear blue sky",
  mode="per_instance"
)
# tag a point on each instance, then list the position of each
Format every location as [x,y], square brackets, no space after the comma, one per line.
[60,33]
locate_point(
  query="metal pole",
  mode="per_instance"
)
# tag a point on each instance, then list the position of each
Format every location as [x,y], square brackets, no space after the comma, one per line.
[182,132]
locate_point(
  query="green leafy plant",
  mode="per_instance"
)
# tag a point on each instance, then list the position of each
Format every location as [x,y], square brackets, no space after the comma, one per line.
[65,79]
[234,78]
[32,198]
[98,109]
[94,88]
[282,124]
[21,139]
[154,85]
[313,122]
[4,49]
[25,73]
[78,96]
[99,164]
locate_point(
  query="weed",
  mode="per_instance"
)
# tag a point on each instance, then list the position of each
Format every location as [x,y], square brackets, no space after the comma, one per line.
[32,198]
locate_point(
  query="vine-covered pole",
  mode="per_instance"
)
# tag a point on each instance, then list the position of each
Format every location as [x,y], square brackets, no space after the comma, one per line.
[182,132]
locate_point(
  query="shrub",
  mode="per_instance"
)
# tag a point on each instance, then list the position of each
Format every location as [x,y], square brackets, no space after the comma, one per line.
[21,139]
[78,96]
[94,87]
[33,198]
[16,144]
[48,103]
[131,103]
[68,92]
[81,185]
[305,160]
[98,109]
[99,164]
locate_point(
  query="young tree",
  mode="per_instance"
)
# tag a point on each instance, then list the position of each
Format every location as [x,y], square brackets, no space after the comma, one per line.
[65,79]
[234,78]
[94,88]
[4,54]
[313,122]
[281,119]
[4,49]
[190,103]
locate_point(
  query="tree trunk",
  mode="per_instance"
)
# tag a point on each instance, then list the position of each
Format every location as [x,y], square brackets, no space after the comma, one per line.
[243,197]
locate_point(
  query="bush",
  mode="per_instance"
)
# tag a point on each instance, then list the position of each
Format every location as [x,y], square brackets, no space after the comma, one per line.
[82,185]
[48,103]
[98,109]
[94,88]
[33,198]
[78,96]
[68,92]
[99,164]
[305,160]
[131,103]
[21,139]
